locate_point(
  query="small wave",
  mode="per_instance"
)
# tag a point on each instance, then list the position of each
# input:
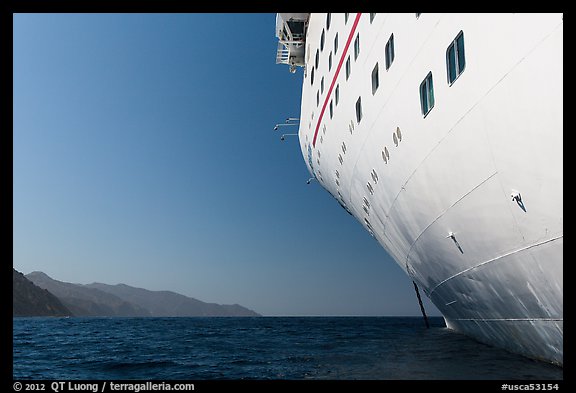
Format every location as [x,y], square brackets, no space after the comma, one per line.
[137,365]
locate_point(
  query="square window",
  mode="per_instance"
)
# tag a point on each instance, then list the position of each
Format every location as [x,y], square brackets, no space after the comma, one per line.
[427,94]
[336,43]
[356,46]
[348,68]
[390,51]
[359,110]
[455,58]
[375,81]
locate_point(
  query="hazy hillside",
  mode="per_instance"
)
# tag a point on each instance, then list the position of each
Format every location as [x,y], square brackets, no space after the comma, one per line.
[84,301]
[29,300]
[99,299]
[171,304]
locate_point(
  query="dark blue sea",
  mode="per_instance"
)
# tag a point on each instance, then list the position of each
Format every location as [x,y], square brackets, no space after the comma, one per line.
[259,348]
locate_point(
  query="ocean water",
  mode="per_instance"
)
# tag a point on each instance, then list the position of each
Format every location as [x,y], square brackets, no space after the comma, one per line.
[260,348]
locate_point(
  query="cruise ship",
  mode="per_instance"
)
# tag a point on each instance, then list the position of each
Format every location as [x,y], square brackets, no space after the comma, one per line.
[442,135]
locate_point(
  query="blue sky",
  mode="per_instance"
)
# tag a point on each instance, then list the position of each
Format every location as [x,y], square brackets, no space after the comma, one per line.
[144,154]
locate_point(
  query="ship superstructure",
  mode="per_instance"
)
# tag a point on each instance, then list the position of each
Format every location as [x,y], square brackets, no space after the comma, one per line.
[442,134]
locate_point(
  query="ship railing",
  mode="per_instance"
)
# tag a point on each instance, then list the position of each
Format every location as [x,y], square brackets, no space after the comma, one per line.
[285,48]
[282,53]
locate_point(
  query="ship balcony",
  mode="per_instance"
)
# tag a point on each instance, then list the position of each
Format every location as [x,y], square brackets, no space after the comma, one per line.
[291,53]
[291,33]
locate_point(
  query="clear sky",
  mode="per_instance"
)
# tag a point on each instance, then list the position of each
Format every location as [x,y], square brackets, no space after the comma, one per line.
[144,154]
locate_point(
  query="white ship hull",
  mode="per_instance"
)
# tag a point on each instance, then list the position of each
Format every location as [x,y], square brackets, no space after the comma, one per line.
[467,199]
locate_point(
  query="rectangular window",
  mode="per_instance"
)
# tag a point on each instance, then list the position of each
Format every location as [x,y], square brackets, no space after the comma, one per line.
[331,109]
[328,19]
[348,68]
[427,94]
[375,81]
[455,59]
[358,110]
[346,17]
[372,17]
[336,43]
[322,86]
[337,94]
[317,98]
[357,46]
[330,61]
[390,51]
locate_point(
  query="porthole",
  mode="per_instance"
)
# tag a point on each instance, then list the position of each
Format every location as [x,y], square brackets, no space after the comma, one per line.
[374,176]
[385,155]
[368,224]
[366,201]
[370,188]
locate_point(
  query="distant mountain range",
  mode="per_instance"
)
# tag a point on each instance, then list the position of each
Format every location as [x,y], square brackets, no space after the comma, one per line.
[120,300]
[30,300]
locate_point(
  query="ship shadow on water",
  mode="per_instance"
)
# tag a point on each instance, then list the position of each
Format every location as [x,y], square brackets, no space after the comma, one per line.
[436,353]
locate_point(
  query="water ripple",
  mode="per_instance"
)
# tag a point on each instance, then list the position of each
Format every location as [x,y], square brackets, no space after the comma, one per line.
[259,348]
